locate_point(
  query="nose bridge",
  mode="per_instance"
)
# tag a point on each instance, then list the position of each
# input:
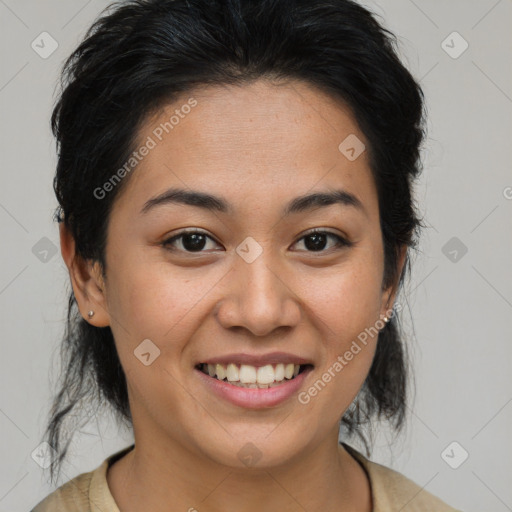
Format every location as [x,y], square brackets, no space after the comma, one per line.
[262,284]
[260,301]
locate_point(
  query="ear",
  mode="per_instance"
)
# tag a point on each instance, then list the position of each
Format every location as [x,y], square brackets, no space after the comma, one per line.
[88,283]
[389,294]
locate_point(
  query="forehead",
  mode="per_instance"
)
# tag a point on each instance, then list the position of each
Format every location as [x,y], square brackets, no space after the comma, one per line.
[264,138]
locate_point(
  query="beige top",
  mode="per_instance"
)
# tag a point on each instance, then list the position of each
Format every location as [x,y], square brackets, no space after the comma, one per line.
[391,491]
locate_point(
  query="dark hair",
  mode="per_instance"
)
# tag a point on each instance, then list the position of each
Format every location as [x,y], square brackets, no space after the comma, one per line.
[141,55]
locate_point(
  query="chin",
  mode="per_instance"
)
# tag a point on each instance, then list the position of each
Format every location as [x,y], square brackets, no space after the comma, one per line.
[254,452]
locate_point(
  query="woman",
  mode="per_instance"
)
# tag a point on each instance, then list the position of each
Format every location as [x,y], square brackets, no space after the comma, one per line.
[234,182]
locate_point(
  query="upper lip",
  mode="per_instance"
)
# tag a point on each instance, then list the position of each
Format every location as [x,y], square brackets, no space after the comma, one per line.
[257,360]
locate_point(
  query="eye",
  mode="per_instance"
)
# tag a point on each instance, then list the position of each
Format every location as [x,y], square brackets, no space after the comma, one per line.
[317,240]
[196,241]
[188,241]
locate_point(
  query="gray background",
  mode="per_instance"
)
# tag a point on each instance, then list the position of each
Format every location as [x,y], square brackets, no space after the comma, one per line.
[461,303]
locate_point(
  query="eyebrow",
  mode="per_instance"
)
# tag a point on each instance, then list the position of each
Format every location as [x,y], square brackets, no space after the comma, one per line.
[218,204]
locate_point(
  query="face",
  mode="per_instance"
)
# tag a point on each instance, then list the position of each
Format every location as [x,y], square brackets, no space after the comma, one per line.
[248,283]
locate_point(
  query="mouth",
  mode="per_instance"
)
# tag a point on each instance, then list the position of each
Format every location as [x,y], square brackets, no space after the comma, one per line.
[256,377]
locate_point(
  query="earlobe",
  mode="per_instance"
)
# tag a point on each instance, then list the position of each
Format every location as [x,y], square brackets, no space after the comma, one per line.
[87,281]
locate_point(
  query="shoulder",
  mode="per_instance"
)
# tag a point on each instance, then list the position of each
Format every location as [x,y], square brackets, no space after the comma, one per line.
[87,492]
[73,496]
[392,490]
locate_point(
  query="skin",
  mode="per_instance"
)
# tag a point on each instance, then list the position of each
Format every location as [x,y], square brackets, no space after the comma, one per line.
[258,146]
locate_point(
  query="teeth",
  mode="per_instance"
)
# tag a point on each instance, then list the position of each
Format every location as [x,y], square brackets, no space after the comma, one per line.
[232,373]
[251,376]
[220,371]
[247,374]
[279,372]
[288,371]
[265,374]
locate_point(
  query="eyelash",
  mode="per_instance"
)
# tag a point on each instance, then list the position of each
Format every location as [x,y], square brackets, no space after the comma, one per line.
[341,242]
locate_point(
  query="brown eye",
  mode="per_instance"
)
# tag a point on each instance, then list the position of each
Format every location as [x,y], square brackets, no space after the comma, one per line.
[187,241]
[317,241]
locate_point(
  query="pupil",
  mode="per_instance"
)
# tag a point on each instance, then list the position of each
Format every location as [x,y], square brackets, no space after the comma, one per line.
[193,242]
[319,241]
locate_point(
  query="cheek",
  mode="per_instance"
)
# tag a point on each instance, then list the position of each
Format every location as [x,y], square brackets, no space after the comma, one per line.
[153,301]
[347,307]
[347,301]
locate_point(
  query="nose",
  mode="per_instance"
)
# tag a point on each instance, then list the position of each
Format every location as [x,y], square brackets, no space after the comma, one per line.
[258,298]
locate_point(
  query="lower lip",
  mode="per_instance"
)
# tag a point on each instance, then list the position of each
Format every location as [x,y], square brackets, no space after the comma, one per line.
[254,398]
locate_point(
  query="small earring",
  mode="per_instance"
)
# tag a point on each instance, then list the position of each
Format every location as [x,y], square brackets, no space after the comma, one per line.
[386,319]
[90,314]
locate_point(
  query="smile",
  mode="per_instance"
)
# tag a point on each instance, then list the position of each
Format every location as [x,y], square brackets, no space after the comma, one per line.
[248,376]
[254,381]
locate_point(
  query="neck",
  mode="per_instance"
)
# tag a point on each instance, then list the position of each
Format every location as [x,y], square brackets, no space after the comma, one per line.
[325,478]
